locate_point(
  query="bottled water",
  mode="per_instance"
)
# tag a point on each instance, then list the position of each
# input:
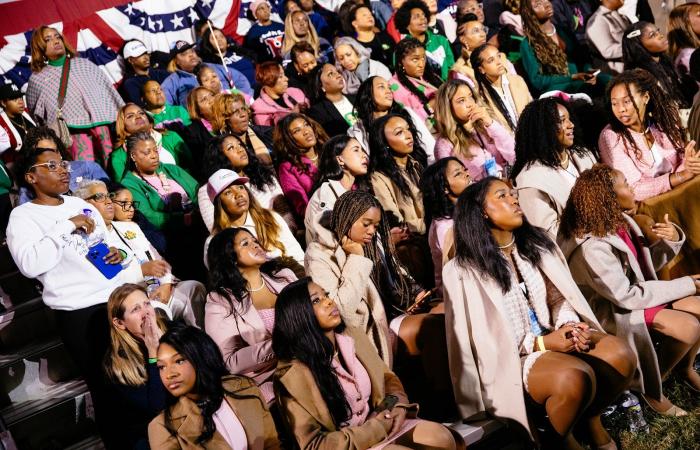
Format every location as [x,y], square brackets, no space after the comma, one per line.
[631,405]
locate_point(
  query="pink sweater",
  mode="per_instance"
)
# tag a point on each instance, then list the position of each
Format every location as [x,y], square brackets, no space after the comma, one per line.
[640,174]
[408,99]
[500,146]
[354,381]
[268,112]
[297,184]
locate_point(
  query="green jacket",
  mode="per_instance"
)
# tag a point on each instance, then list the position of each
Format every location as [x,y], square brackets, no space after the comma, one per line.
[436,44]
[172,113]
[544,83]
[150,203]
[5,179]
[172,142]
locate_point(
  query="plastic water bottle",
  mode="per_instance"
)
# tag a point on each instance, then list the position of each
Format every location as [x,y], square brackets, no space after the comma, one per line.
[93,238]
[631,405]
[152,285]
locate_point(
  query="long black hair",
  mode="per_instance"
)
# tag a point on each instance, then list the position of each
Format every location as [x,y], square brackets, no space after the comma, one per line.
[636,56]
[404,47]
[202,352]
[536,136]
[214,159]
[298,335]
[225,278]
[475,245]
[485,85]
[365,106]
[381,158]
[328,166]
[433,184]
[659,111]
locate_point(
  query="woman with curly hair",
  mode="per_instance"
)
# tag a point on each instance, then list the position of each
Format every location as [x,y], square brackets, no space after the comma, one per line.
[683,34]
[441,185]
[374,100]
[205,405]
[548,160]
[298,140]
[240,307]
[645,139]
[411,19]
[613,258]
[545,54]
[504,93]
[414,82]
[468,132]
[518,328]
[227,151]
[235,206]
[644,47]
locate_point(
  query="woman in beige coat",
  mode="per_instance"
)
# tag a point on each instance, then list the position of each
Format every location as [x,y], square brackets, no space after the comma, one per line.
[334,392]
[615,266]
[517,323]
[548,160]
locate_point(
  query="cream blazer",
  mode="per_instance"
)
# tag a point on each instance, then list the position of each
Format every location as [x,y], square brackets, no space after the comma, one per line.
[521,97]
[484,360]
[619,288]
[543,191]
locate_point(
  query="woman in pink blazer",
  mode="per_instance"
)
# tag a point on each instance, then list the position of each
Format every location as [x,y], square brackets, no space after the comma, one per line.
[645,139]
[276,99]
[240,309]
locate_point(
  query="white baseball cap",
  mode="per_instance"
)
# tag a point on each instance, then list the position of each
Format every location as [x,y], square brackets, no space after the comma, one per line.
[134,49]
[220,180]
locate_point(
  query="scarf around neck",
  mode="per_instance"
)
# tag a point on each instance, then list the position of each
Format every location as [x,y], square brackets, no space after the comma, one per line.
[353,80]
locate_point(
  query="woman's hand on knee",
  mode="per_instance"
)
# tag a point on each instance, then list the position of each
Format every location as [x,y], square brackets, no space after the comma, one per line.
[560,340]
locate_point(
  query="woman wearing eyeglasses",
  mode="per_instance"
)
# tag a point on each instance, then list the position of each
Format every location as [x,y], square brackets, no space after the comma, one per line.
[49,239]
[45,137]
[142,260]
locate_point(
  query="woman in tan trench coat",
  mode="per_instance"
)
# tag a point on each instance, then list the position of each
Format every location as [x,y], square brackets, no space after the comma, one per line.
[615,266]
[517,324]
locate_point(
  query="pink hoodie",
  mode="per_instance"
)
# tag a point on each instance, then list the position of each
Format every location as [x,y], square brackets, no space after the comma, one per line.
[268,112]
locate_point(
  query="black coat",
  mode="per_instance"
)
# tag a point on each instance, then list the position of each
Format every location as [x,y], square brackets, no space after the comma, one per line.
[325,113]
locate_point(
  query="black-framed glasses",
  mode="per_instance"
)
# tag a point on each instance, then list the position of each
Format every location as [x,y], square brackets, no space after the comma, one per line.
[126,206]
[53,166]
[101,197]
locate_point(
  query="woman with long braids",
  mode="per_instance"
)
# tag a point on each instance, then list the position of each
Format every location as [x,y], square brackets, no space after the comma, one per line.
[130,364]
[441,185]
[545,54]
[515,316]
[235,206]
[342,167]
[329,379]
[504,93]
[468,132]
[645,139]
[228,151]
[414,83]
[548,160]
[240,307]
[644,46]
[298,140]
[614,264]
[205,406]
[374,100]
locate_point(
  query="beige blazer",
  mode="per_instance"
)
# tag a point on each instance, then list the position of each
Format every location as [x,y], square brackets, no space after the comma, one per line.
[242,337]
[187,421]
[619,288]
[484,360]
[521,98]
[406,209]
[347,280]
[543,191]
[308,417]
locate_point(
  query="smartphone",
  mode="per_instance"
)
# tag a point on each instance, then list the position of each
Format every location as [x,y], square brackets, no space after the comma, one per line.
[387,404]
[591,75]
[96,256]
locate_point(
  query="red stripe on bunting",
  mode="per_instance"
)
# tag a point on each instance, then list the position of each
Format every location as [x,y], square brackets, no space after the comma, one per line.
[231,24]
[104,32]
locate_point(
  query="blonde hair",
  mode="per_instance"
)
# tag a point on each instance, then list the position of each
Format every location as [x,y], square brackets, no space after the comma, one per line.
[680,33]
[120,125]
[291,38]
[460,135]
[223,109]
[38,47]
[266,227]
[125,363]
[192,107]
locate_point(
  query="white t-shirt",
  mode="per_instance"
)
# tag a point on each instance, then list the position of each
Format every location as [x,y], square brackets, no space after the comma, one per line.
[44,245]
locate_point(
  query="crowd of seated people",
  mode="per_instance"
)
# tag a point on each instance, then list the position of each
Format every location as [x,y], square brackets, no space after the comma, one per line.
[367,208]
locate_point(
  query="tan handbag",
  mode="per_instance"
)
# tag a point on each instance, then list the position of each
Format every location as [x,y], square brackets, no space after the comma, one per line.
[59,125]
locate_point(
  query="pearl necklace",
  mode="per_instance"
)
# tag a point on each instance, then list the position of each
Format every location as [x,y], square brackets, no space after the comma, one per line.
[551,33]
[262,285]
[512,241]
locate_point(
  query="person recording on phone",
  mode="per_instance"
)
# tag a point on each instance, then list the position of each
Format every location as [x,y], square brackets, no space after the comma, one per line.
[362,402]
[57,239]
